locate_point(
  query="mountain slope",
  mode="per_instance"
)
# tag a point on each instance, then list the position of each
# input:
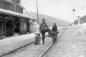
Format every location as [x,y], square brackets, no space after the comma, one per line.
[49,20]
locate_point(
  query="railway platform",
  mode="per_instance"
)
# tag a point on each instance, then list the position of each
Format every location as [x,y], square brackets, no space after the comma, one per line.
[31,50]
[12,43]
[71,44]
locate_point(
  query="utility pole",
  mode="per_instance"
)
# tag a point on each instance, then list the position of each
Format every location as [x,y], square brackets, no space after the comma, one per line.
[78,19]
[37,11]
[73,15]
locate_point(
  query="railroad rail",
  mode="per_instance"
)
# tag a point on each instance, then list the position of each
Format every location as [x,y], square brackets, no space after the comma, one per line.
[16,49]
[31,43]
[45,51]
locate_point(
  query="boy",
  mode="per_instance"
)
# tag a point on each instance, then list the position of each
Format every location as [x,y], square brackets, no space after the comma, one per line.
[37,39]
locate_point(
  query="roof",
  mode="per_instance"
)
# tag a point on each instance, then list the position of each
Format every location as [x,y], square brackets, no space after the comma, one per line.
[12,1]
[14,13]
[8,1]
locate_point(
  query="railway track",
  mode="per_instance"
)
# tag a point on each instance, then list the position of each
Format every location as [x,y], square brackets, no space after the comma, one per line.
[16,49]
[31,43]
[50,46]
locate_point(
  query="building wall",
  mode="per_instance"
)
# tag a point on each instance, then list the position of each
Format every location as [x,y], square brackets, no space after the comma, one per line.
[18,8]
[5,5]
[12,5]
[82,20]
[16,1]
[13,1]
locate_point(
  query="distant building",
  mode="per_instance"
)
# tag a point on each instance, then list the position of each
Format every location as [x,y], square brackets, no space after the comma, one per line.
[82,20]
[16,1]
[13,5]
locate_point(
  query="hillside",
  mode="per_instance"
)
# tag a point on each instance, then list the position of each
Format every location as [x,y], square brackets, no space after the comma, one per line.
[49,20]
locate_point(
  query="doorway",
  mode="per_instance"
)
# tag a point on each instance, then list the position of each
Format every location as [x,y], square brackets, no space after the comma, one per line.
[9,28]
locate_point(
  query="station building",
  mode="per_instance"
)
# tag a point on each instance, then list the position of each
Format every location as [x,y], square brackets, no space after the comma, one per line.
[12,19]
[13,5]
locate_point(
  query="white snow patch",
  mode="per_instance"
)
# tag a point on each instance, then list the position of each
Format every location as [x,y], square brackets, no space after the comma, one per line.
[12,43]
[81,56]
[72,43]
[34,27]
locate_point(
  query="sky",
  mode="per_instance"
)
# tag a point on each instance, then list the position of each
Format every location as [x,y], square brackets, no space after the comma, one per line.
[61,9]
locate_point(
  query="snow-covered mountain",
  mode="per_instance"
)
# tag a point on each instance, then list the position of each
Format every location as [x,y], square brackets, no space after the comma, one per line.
[49,20]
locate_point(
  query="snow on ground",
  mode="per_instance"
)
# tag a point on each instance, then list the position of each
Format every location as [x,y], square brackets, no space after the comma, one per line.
[12,43]
[71,44]
[31,50]
[75,32]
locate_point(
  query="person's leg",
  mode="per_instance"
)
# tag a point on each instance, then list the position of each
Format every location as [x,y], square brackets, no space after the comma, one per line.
[43,38]
[55,37]
[39,41]
[42,35]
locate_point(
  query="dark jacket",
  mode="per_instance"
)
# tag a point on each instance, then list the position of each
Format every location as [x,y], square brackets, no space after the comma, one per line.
[43,26]
[54,28]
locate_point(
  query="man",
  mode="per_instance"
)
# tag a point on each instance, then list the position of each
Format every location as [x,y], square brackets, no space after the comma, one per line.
[55,32]
[43,28]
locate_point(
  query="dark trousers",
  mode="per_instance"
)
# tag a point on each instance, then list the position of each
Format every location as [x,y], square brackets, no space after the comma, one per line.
[43,36]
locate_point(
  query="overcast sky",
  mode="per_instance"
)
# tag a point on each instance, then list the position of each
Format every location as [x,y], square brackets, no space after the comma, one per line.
[57,8]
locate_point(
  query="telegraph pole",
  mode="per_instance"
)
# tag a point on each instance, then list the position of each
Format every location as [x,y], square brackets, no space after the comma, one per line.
[73,15]
[37,11]
[78,19]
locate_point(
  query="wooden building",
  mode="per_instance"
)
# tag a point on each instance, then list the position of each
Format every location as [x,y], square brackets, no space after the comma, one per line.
[12,22]
[13,5]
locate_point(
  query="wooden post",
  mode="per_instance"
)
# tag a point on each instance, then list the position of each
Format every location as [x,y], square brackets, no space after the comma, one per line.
[37,11]
[73,15]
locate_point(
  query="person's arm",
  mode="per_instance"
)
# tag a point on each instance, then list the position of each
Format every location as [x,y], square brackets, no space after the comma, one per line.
[47,26]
